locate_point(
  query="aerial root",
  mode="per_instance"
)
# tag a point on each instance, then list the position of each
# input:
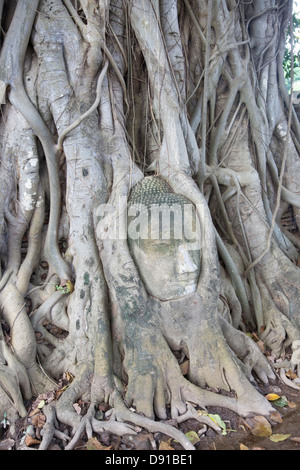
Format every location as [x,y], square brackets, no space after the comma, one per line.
[122,412]
[121,421]
[192,413]
[292,365]
[5,278]
[49,428]
[84,426]
[120,417]
[286,380]
[247,404]
[11,386]
[89,425]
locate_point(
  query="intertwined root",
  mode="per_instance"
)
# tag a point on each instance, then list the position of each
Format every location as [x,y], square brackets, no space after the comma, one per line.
[120,420]
[185,400]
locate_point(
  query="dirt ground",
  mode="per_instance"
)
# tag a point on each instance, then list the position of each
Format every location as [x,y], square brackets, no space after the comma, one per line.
[238,433]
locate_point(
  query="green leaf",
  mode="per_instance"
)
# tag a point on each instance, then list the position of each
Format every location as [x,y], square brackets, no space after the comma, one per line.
[64,289]
[217,419]
[281,402]
[192,437]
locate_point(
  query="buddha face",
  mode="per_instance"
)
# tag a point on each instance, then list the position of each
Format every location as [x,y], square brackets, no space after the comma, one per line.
[169,268]
[168,261]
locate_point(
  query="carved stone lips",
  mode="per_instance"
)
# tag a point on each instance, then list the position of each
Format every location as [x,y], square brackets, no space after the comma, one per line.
[188,278]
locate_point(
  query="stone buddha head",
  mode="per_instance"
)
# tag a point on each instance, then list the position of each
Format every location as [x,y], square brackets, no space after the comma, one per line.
[164,239]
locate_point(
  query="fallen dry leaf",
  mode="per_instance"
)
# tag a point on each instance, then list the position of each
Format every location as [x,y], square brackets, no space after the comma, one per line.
[34,412]
[77,408]
[279,437]
[272,396]
[259,426]
[291,375]
[94,444]
[295,439]
[31,441]
[165,445]
[255,337]
[39,420]
[184,367]
[58,393]
[68,376]
[243,447]
[70,286]
[275,416]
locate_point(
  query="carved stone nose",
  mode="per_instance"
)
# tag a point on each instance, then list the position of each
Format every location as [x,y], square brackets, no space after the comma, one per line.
[184,262]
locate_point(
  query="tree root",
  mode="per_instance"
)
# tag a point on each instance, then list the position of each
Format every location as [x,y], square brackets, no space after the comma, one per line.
[290,365]
[49,428]
[245,406]
[118,423]
[192,413]
[88,112]
[90,424]
[150,425]
[287,381]
[120,420]
[280,331]
[248,352]
[10,385]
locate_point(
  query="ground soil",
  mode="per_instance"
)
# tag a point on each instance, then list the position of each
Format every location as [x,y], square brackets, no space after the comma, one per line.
[238,435]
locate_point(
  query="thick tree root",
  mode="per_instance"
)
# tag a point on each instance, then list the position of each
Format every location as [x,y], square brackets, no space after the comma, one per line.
[248,352]
[122,420]
[287,381]
[192,413]
[49,428]
[89,424]
[118,424]
[10,386]
[248,405]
